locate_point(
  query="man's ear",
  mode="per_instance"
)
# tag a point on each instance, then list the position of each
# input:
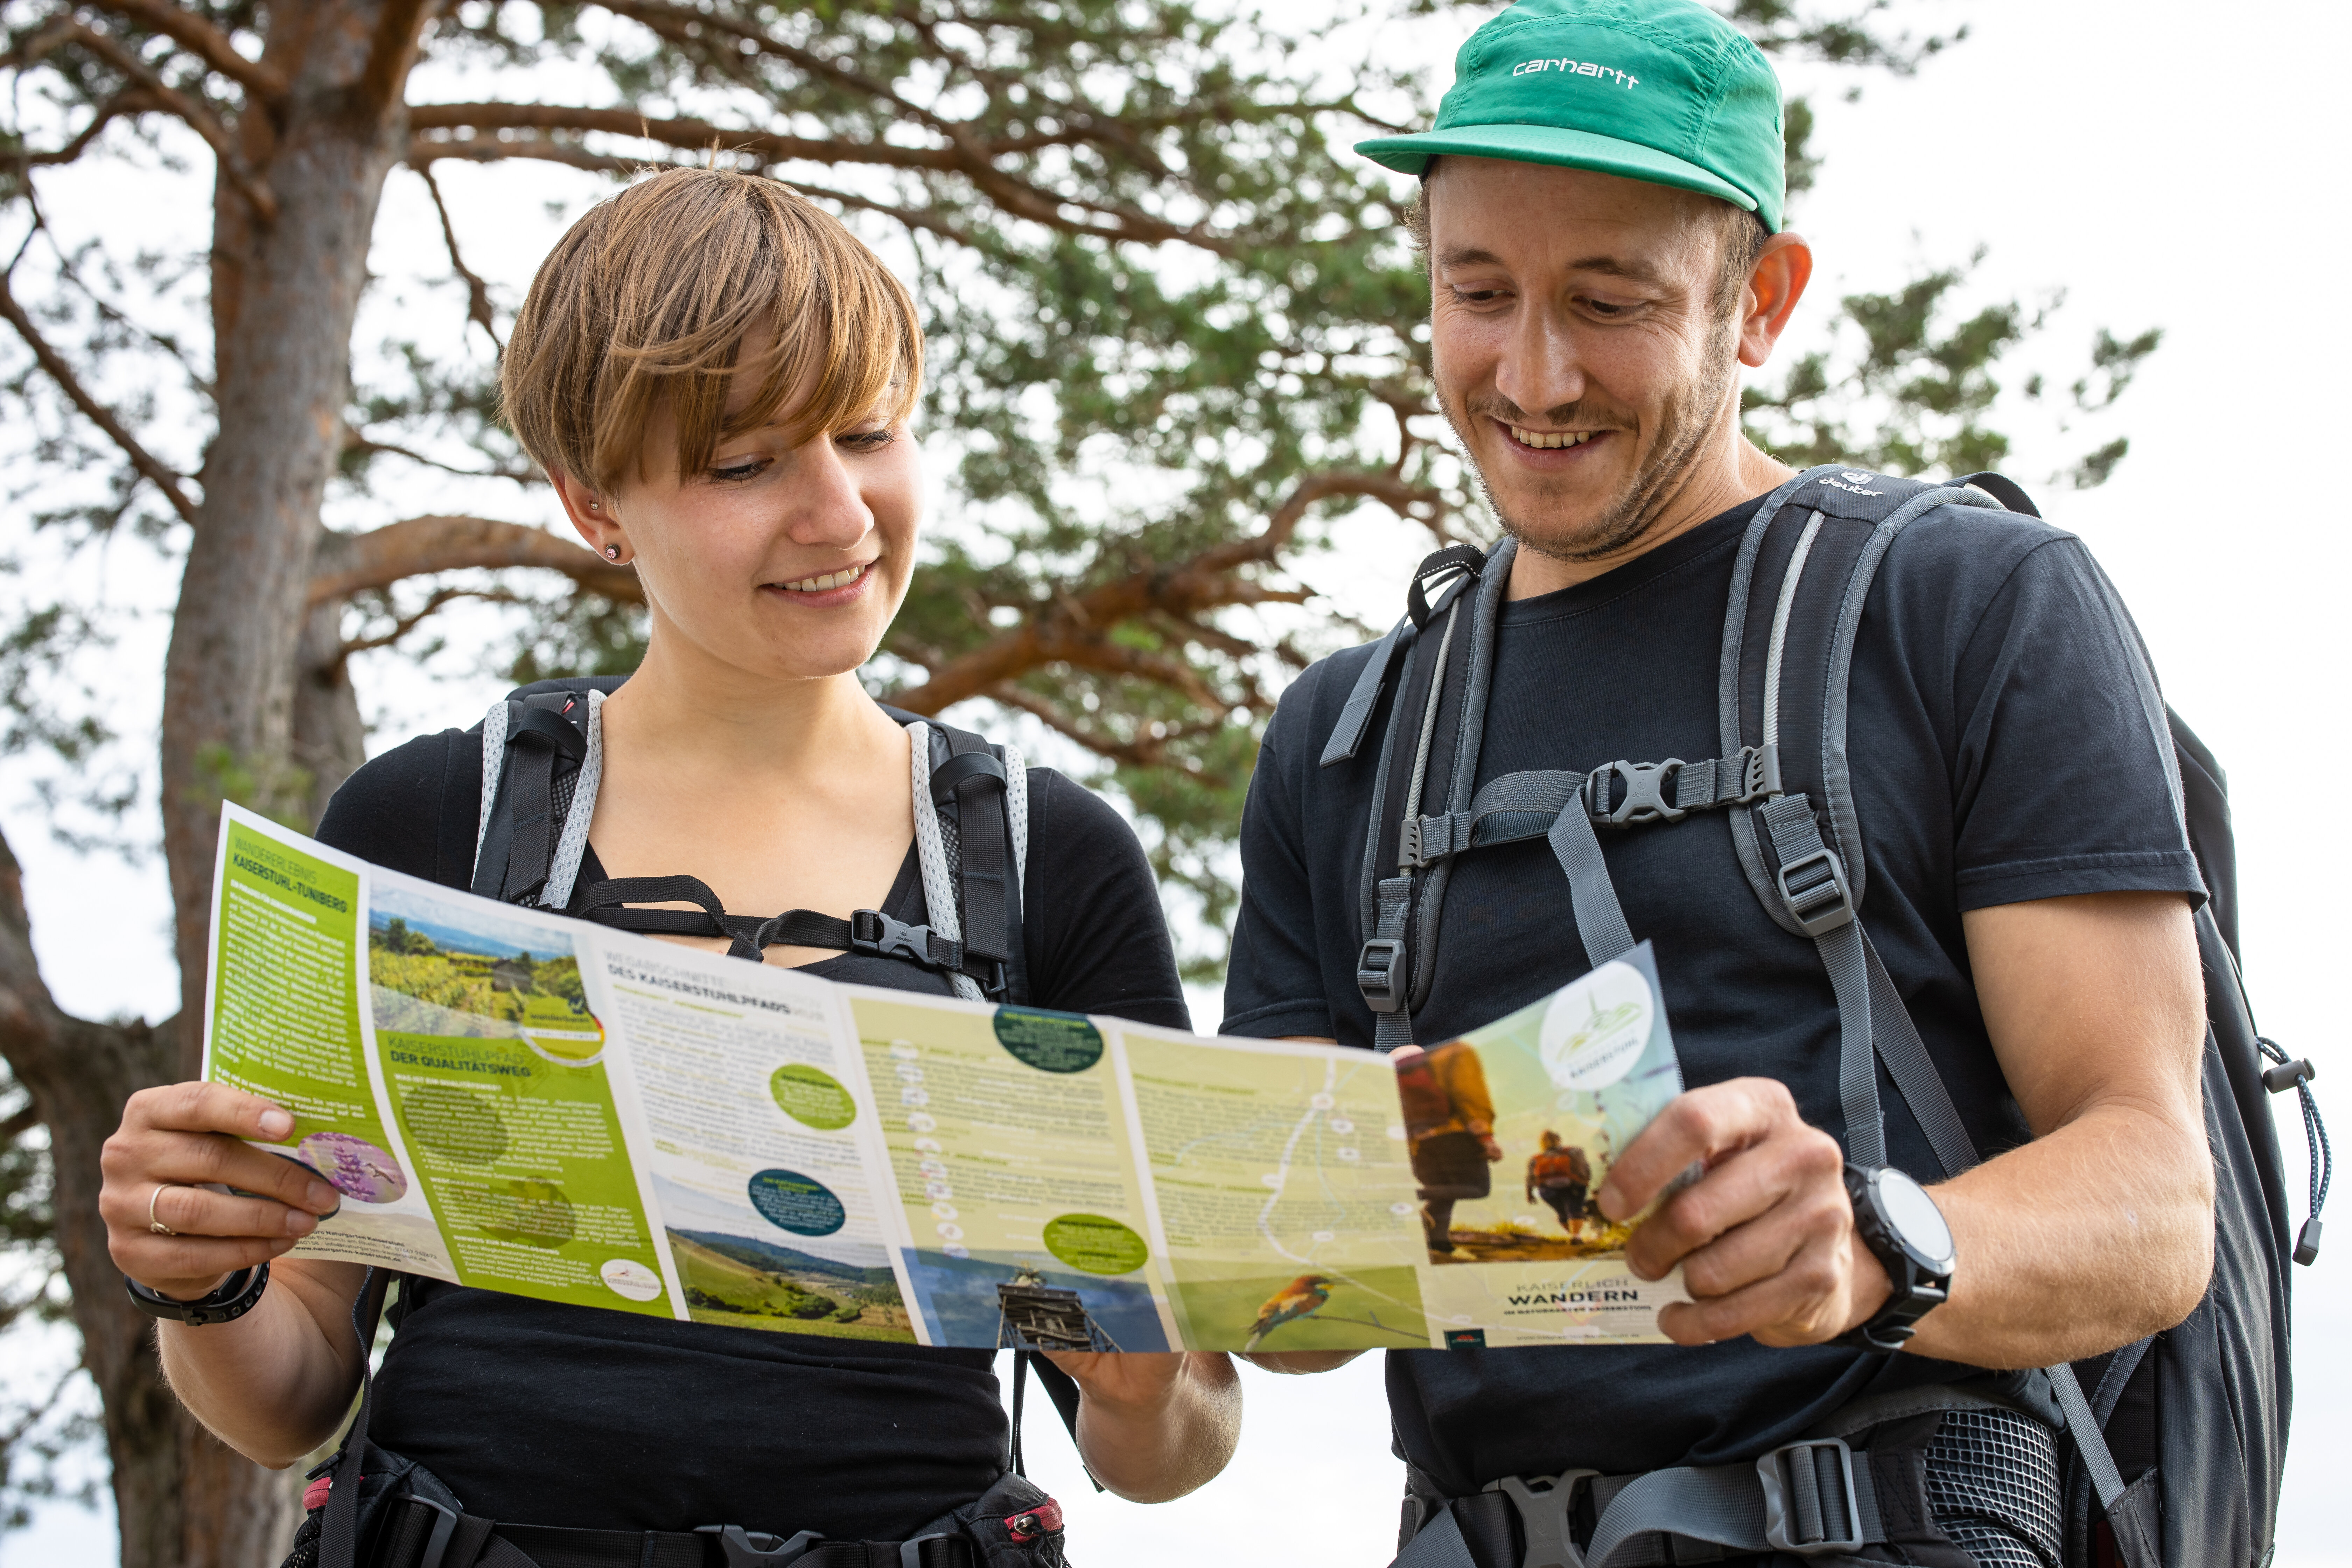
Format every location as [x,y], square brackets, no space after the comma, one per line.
[1771,299]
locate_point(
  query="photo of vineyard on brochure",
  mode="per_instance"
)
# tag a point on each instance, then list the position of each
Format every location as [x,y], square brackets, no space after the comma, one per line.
[517,1101]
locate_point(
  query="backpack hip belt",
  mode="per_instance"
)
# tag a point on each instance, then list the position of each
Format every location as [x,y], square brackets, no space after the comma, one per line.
[1819,1496]
[1798,588]
[366,1505]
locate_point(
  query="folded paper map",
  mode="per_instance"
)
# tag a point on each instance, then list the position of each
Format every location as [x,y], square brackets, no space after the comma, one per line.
[514,1100]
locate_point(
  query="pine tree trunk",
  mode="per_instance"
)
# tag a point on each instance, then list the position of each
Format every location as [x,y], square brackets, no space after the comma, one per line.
[256,708]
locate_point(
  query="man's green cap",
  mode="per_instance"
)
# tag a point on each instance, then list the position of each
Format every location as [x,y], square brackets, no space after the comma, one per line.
[1662,91]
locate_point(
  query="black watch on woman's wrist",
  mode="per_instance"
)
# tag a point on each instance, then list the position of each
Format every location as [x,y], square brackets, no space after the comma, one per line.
[1905,1230]
[232,1299]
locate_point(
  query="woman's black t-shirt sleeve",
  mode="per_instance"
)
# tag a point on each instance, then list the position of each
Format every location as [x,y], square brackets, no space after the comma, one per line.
[415,809]
[1097,940]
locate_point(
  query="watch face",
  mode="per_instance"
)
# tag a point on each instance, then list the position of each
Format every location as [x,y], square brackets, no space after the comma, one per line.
[1918,1222]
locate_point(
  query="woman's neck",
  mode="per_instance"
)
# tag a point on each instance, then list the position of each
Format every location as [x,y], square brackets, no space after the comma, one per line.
[730,724]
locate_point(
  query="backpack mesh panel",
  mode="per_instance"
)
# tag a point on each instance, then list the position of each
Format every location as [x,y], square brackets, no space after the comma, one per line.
[1993,1486]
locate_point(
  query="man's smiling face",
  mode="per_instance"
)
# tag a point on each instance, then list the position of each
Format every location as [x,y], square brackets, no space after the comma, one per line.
[1580,348]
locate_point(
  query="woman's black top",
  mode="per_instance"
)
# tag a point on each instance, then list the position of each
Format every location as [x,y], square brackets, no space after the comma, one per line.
[538,1412]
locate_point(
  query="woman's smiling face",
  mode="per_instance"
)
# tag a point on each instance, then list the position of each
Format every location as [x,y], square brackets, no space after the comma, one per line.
[784,559]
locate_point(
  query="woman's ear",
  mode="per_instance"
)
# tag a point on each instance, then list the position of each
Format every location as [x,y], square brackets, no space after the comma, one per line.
[590,516]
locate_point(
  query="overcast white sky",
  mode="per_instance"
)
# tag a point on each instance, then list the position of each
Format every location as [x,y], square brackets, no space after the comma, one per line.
[2111,150]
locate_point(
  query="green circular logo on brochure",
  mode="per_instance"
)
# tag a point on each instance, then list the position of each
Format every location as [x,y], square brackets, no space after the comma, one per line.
[1093,1244]
[1047,1040]
[812,1097]
[790,1201]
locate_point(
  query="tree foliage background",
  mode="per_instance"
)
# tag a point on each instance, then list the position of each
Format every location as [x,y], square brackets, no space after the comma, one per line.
[1177,358]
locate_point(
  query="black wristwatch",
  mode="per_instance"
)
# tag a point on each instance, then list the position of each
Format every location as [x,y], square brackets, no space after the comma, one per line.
[1905,1232]
[231,1300]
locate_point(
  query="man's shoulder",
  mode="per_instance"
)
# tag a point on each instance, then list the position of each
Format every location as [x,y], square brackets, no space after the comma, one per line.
[1950,564]
[1310,704]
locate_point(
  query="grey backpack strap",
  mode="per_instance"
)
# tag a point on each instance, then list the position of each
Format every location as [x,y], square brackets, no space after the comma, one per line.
[1391,889]
[1811,554]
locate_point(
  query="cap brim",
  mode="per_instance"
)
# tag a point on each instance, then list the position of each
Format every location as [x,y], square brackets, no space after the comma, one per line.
[1551,144]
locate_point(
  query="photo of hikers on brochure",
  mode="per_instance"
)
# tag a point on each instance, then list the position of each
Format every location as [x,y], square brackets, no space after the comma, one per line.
[1511,1129]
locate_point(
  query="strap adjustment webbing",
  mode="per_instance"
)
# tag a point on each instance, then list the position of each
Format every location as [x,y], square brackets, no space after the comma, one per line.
[1615,795]
[868,932]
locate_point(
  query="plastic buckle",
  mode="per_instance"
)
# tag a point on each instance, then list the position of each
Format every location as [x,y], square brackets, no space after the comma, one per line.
[1380,973]
[1544,1516]
[1795,1517]
[1759,775]
[876,934]
[1818,900]
[1646,797]
[742,1548]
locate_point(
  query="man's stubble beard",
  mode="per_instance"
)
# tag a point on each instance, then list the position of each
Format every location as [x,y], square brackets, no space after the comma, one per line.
[1685,425]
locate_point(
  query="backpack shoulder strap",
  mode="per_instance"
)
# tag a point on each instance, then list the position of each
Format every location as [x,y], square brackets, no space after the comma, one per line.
[540,757]
[1799,586]
[971,831]
[1435,731]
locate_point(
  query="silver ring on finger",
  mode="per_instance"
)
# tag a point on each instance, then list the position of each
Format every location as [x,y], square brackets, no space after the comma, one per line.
[157,1226]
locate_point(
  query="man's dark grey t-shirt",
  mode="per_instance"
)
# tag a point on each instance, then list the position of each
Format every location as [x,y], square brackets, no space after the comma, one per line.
[2001,752]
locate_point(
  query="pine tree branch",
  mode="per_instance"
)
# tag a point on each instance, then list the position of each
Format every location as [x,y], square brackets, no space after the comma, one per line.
[129,101]
[1076,629]
[698,31]
[424,153]
[180,106]
[436,602]
[1150,751]
[688,135]
[390,52]
[202,39]
[54,364]
[478,293]
[349,563]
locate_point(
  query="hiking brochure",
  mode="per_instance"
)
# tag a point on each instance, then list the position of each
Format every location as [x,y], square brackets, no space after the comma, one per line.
[515,1100]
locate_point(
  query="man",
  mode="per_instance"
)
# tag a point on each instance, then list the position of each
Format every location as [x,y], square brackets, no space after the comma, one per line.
[1562,1178]
[1601,218]
[1449,1129]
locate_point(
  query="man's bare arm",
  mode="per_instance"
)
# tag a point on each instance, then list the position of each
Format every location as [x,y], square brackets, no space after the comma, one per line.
[2095,1233]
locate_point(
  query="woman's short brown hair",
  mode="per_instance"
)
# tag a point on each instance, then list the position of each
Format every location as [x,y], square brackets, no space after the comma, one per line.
[647,307]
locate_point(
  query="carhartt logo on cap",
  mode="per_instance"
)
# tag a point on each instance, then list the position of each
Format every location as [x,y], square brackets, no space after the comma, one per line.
[1575,67]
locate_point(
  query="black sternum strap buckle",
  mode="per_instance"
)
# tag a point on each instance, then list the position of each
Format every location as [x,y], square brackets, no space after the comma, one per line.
[1380,973]
[1647,798]
[741,1548]
[1810,1506]
[877,935]
[1813,887]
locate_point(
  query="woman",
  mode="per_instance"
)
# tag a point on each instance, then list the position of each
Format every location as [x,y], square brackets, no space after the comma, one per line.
[718,379]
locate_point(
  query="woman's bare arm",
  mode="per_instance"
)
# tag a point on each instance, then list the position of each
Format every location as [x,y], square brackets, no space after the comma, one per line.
[274,1384]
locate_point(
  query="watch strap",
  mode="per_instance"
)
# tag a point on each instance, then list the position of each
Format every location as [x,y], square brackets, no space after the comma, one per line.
[232,1299]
